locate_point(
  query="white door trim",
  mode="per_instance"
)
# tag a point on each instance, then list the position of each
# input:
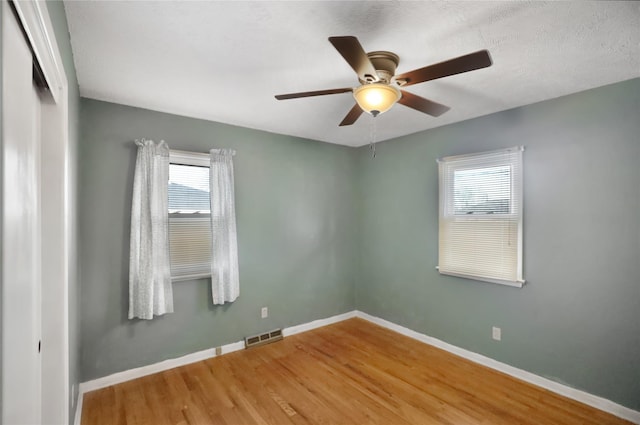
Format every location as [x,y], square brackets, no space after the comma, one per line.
[36,22]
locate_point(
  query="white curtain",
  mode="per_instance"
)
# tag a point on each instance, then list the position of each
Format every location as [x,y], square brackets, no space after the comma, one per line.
[225,281]
[150,291]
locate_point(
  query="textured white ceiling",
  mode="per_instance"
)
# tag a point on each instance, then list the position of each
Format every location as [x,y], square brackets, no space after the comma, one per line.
[224,61]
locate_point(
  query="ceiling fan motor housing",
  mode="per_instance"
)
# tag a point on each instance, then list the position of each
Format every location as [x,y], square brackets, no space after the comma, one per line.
[385,64]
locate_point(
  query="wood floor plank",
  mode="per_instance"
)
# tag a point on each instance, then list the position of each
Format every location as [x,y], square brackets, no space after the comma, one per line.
[352,372]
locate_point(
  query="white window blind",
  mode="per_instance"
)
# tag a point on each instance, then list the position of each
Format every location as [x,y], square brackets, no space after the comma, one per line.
[480,223]
[189,216]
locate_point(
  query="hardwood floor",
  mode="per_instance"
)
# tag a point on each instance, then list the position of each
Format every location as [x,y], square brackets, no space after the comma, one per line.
[352,372]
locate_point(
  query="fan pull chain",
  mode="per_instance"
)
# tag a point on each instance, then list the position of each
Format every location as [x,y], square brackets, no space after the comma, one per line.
[372,139]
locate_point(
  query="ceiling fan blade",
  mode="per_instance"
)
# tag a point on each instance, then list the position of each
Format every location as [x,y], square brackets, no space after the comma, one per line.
[421,104]
[351,50]
[470,62]
[312,93]
[352,116]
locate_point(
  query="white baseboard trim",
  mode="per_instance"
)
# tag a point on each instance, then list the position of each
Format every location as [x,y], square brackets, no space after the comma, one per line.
[575,394]
[564,390]
[139,372]
[292,330]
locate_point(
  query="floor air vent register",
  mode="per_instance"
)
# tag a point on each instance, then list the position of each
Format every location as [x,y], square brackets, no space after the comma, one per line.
[264,338]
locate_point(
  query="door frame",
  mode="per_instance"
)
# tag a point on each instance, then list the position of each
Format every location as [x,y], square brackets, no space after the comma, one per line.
[56,203]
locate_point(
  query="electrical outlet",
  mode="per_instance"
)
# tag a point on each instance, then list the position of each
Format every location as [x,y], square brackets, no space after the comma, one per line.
[264,312]
[496,333]
[218,351]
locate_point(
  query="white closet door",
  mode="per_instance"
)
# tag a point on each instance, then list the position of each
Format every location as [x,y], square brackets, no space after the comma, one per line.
[21,276]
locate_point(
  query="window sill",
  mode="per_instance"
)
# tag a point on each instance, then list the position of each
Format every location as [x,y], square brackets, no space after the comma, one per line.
[516,284]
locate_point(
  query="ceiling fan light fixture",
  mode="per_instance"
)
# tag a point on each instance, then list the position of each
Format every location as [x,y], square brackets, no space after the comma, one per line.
[376,98]
[379,89]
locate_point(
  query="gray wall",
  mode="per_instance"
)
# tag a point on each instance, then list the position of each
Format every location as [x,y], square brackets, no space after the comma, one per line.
[577,321]
[59,21]
[296,237]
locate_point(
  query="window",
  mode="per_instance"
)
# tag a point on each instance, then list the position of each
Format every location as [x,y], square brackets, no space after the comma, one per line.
[189,215]
[480,222]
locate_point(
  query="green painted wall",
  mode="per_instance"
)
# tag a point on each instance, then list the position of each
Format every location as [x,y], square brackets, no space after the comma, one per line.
[577,321]
[59,21]
[296,236]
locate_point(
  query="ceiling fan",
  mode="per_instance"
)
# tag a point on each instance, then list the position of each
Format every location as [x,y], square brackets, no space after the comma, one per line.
[379,87]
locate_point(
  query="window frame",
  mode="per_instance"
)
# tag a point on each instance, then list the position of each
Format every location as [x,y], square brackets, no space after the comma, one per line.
[447,167]
[196,159]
